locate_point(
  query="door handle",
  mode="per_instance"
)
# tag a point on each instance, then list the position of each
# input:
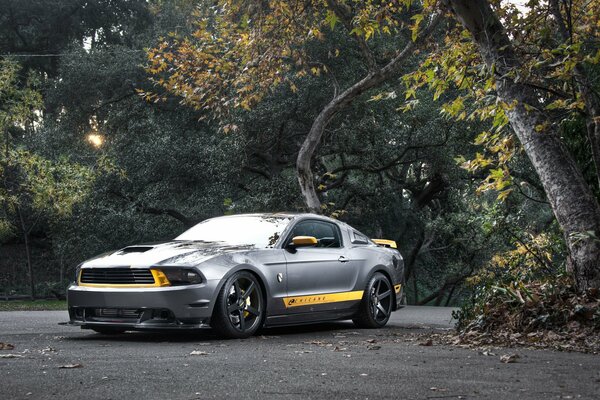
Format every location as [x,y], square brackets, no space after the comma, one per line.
[343,259]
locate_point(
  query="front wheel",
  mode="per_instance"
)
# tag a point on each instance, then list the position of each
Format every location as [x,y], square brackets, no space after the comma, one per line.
[376,305]
[239,307]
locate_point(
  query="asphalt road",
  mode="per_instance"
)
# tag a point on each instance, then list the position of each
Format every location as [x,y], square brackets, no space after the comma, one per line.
[327,361]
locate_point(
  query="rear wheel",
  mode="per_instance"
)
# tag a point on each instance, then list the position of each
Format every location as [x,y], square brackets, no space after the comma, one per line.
[376,305]
[239,307]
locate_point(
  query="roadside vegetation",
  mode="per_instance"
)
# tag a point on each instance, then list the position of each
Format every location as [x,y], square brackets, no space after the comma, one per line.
[32,305]
[467,131]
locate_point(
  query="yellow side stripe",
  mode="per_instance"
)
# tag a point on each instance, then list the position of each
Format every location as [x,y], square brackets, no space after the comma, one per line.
[322,298]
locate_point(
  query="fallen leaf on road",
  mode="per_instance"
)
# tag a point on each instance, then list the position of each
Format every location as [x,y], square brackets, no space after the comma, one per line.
[317,342]
[269,337]
[337,348]
[374,347]
[48,350]
[6,346]
[437,389]
[509,358]
[198,353]
[487,353]
[371,341]
[11,356]
[429,342]
[70,366]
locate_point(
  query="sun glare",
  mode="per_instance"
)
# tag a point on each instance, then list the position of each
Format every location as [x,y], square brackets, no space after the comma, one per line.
[95,139]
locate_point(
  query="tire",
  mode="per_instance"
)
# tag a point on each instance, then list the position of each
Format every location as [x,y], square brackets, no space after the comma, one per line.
[240,307]
[377,303]
[109,330]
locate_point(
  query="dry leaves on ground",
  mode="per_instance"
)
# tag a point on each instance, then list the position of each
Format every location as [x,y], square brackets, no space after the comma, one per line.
[509,358]
[11,356]
[70,366]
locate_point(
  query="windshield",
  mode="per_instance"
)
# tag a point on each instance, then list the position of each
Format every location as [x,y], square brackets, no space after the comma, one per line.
[240,230]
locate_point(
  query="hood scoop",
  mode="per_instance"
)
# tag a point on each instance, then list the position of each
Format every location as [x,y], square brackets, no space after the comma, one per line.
[135,249]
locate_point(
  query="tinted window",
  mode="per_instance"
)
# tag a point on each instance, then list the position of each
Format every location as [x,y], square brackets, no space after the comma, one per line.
[327,234]
[359,238]
[239,230]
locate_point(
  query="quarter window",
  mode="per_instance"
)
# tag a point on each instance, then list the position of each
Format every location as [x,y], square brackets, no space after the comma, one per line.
[327,234]
[359,238]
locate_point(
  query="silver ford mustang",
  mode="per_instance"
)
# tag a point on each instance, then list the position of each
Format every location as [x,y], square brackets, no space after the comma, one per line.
[239,273]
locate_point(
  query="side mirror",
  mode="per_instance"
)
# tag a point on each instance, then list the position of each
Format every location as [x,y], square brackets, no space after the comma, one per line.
[304,241]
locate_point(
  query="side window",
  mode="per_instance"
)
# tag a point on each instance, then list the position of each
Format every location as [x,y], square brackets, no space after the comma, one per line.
[359,238]
[327,234]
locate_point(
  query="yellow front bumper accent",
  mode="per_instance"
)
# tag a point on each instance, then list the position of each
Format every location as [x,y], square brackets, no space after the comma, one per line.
[160,280]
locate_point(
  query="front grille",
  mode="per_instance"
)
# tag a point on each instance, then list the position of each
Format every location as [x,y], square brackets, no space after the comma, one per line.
[117,276]
[125,313]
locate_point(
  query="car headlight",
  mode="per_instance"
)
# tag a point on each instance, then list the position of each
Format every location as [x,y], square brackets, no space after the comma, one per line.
[181,276]
[77,271]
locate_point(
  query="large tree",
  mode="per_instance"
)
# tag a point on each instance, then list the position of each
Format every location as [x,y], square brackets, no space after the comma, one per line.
[242,49]
[571,198]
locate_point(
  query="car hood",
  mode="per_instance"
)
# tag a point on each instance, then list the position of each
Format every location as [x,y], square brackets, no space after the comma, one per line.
[175,253]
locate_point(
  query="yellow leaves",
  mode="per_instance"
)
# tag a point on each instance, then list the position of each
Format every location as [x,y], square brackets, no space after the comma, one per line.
[51,186]
[238,53]
[504,194]
[418,18]
[331,19]
[229,128]
[542,127]
[383,96]
[455,108]
[530,253]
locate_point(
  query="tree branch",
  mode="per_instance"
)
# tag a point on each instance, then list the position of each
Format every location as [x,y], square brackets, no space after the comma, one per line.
[344,13]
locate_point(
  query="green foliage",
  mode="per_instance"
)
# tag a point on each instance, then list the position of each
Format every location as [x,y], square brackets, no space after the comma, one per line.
[163,166]
[550,65]
[38,305]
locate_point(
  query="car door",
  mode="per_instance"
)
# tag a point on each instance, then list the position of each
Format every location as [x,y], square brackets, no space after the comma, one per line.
[316,271]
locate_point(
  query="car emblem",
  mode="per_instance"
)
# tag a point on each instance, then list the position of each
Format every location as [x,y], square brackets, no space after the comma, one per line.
[279,277]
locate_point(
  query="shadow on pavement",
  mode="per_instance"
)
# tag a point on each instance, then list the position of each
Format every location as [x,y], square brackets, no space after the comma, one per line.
[208,335]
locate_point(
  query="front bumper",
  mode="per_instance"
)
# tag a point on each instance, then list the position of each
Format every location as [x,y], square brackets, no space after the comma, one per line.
[160,308]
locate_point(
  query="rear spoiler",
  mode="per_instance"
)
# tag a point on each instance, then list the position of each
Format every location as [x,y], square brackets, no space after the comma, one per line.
[385,243]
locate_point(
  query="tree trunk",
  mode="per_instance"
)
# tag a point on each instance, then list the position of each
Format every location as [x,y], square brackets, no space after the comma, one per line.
[572,201]
[28,254]
[313,139]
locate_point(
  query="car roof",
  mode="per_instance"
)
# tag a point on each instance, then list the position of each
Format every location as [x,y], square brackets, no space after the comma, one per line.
[292,215]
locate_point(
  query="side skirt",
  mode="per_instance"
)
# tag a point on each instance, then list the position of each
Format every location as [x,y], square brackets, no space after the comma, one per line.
[310,317]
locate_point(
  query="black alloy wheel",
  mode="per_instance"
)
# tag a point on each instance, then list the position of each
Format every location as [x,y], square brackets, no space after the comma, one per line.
[376,306]
[239,307]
